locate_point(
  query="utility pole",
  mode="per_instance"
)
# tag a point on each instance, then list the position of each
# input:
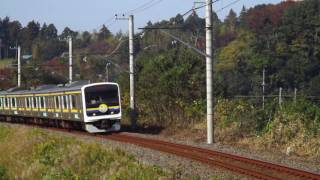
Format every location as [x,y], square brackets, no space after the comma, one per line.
[295,95]
[263,86]
[133,112]
[131,64]
[107,71]
[70,59]
[209,72]
[19,66]
[280,96]
[0,48]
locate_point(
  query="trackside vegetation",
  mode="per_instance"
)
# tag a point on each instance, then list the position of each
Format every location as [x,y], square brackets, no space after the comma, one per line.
[283,39]
[293,128]
[28,153]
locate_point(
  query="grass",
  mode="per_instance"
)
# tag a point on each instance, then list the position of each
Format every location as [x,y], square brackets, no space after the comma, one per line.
[33,154]
[293,129]
[5,62]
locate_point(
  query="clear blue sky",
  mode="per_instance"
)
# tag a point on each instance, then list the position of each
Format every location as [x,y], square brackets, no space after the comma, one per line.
[81,15]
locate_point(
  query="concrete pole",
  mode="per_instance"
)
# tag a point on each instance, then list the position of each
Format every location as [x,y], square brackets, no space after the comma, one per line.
[132,80]
[280,96]
[209,72]
[19,66]
[263,87]
[295,95]
[0,48]
[70,59]
[107,72]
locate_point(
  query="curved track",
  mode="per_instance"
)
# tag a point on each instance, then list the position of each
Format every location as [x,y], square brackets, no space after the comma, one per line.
[250,167]
[253,168]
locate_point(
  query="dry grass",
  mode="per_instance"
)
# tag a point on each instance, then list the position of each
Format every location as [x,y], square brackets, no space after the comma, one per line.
[33,154]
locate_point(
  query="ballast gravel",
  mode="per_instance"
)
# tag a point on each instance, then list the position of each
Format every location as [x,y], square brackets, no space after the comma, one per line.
[183,168]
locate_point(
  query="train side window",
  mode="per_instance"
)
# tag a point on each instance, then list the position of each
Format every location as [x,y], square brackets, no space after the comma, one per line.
[65,102]
[72,102]
[13,102]
[34,102]
[56,102]
[62,102]
[59,102]
[41,102]
[44,102]
[31,102]
[7,102]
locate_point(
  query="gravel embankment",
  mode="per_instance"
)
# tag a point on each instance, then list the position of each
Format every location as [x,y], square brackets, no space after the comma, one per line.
[181,167]
[273,157]
[184,168]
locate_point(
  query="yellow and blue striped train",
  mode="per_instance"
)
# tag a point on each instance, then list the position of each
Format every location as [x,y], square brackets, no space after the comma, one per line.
[94,107]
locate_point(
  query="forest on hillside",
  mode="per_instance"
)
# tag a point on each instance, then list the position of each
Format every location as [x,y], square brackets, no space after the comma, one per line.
[283,39]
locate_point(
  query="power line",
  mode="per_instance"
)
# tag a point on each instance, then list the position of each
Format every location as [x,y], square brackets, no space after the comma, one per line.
[228,5]
[196,8]
[148,7]
[138,9]
[141,6]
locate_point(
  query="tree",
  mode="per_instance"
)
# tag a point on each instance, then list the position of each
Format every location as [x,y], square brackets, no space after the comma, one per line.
[48,32]
[68,32]
[231,21]
[51,32]
[85,38]
[33,29]
[104,33]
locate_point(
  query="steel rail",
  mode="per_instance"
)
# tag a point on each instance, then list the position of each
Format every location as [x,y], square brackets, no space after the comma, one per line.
[249,166]
[191,155]
[263,164]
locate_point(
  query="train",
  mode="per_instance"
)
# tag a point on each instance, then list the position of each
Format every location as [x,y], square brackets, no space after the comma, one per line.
[94,107]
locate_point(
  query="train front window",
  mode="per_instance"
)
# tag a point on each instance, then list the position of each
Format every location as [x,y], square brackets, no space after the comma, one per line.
[102,100]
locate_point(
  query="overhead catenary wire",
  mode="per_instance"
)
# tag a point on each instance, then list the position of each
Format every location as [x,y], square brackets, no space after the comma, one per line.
[195,8]
[112,20]
[228,5]
[143,7]
[148,7]
[203,6]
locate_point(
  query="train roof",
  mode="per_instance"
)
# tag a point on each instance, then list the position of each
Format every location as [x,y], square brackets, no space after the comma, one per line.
[74,86]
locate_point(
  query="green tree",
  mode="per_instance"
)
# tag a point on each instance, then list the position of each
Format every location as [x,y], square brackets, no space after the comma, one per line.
[104,33]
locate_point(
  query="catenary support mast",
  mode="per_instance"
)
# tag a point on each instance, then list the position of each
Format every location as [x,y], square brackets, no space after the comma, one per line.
[132,80]
[19,66]
[70,59]
[209,72]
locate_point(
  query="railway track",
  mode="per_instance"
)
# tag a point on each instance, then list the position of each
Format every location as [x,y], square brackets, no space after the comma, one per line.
[250,167]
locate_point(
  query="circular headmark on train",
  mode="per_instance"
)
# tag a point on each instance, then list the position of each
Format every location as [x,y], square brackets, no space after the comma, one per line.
[103,108]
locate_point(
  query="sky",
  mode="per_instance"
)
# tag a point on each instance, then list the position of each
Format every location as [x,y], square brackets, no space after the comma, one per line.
[89,15]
